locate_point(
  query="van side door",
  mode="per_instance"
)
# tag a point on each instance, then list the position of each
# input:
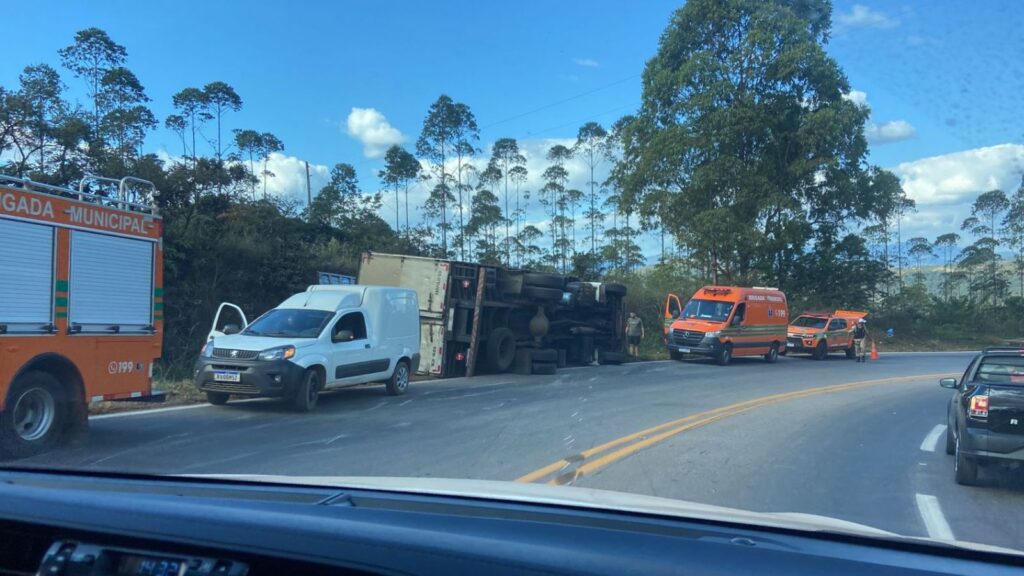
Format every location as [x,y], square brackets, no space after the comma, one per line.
[673,309]
[354,360]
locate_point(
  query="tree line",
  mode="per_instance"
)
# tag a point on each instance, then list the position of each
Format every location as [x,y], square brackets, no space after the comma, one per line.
[744,164]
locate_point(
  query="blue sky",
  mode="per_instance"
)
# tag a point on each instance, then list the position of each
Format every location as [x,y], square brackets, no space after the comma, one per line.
[943,80]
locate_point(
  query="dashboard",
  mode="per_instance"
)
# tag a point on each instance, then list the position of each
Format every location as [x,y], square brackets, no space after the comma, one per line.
[111,525]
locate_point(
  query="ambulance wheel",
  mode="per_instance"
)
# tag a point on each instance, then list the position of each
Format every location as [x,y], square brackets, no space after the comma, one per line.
[773,353]
[725,356]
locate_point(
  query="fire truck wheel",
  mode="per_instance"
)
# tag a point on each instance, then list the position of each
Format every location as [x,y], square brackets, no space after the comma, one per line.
[217,398]
[33,415]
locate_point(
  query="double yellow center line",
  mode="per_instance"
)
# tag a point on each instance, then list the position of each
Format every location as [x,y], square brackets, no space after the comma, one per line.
[571,468]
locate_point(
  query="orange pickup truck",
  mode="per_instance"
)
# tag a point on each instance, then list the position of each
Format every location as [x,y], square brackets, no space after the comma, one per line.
[819,334]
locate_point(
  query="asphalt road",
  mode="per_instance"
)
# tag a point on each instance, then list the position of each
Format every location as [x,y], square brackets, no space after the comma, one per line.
[860,442]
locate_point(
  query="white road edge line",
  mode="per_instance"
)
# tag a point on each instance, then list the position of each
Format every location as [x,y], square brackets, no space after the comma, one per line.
[932,439]
[167,409]
[933,519]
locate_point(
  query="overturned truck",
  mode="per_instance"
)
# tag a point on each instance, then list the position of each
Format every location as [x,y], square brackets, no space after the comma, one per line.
[484,318]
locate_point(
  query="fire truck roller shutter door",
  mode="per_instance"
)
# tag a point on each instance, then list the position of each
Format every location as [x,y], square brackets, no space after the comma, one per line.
[26,280]
[111,281]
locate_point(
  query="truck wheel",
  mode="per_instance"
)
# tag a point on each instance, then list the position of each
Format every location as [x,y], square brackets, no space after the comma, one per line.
[307,392]
[821,351]
[544,367]
[966,469]
[772,354]
[851,352]
[399,381]
[725,356]
[614,289]
[34,415]
[501,349]
[545,294]
[217,398]
[607,357]
[544,280]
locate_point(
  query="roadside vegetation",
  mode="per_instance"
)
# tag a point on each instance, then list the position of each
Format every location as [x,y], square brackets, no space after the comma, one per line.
[746,163]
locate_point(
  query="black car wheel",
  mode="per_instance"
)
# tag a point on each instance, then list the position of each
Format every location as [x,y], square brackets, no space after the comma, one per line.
[966,469]
[217,398]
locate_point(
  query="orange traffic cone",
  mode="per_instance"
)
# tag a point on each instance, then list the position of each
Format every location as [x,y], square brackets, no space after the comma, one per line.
[874,351]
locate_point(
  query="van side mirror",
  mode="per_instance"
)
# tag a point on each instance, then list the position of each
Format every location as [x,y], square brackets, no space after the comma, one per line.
[343,336]
[948,382]
[231,329]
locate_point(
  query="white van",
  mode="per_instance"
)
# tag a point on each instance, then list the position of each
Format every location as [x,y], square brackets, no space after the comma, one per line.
[330,336]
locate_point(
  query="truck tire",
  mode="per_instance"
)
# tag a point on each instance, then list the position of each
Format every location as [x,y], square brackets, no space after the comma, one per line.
[965,469]
[501,349]
[544,280]
[539,293]
[725,356]
[820,351]
[614,289]
[307,393]
[34,415]
[545,368]
[399,381]
[544,355]
[217,398]
[606,357]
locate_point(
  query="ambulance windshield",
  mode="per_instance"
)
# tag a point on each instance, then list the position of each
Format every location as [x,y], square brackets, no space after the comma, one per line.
[713,310]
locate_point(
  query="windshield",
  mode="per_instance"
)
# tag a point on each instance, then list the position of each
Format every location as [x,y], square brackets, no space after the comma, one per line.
[712,310]
[502,196]
[289,323]
[1001,370]
[809,322]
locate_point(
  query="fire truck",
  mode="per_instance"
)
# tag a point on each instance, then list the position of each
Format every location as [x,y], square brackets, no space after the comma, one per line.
[81,304]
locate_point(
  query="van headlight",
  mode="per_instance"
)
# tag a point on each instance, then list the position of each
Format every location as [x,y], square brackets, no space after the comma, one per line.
[714,334]
[282,353]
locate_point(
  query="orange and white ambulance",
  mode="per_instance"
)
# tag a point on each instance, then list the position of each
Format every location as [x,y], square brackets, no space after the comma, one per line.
[81,304]
[727,321]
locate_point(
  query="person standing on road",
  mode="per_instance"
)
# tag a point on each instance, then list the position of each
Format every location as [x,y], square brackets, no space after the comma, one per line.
[634,333]
[860,336]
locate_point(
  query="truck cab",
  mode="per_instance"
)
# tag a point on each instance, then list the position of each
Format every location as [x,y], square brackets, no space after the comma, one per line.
[328,337]
[727,321]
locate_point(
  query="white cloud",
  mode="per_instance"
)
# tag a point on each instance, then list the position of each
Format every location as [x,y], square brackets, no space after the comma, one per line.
[961,176]
[372,129]
[888,132]
[858,97]
[585,62]
[860,16]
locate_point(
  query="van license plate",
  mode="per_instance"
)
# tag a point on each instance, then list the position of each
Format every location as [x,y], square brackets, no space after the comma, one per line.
[684,350]
[227,376]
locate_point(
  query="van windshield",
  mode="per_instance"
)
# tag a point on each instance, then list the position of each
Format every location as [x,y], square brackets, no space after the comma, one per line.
[289,323]
[707,310]
[809,322]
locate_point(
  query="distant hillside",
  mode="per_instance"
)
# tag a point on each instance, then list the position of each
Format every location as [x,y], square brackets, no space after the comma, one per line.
[933,278]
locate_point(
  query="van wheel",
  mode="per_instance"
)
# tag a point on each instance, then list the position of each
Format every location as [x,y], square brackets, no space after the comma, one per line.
[821,351]
[307,393]
[773,353]
[501,349]
[34,415]
[725,356]
[399,381]
[217,398]
[966,469]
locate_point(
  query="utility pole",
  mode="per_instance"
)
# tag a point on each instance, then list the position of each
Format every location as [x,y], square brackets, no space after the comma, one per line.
[309,191]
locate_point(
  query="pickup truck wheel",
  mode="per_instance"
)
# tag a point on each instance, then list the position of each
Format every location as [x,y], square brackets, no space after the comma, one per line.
[501,349]
[966,469]
[33,416]
[217,398]
[821,351]
[307,393]
[725,356]
[773,353]
[399,381]
[544,280]
[950,440]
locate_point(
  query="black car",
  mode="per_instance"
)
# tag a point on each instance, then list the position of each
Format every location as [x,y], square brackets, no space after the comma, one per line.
[986,414]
